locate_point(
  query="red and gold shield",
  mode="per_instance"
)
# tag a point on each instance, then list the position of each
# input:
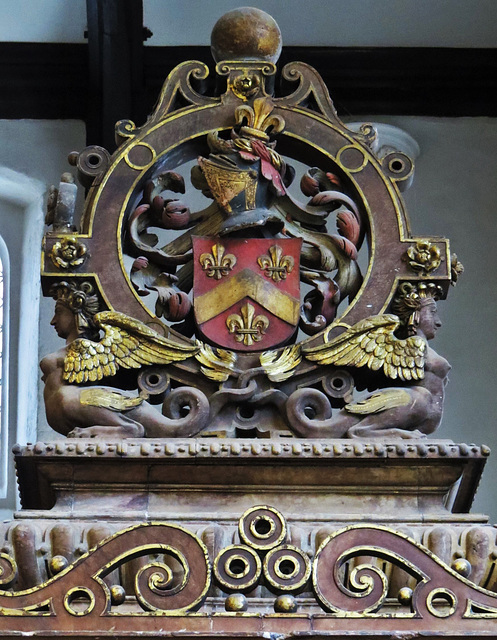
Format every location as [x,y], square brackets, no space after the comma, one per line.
[246,292]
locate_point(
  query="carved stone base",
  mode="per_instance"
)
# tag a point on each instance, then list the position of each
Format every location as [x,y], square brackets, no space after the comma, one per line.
[169,527]
[76,492]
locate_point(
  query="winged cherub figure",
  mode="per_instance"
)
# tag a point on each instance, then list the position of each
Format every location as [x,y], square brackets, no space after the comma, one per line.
[411,409]
[75,406]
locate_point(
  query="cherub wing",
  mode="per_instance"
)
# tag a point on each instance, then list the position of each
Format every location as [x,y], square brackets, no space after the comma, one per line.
[371,342]
[127,343]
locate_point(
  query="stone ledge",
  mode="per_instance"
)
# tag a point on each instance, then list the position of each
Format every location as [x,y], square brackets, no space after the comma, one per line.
[191,448]
[154,479]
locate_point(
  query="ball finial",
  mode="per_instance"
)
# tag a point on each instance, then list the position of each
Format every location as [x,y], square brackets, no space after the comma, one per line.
[236,602]
[246,33]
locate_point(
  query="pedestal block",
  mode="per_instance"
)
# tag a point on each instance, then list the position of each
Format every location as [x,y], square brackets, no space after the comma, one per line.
[279,535]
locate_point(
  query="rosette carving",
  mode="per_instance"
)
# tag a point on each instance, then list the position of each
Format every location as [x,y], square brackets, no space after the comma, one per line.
[424,257]
[68,253]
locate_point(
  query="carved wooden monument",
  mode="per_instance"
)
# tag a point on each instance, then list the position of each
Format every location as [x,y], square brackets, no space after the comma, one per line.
[246,386]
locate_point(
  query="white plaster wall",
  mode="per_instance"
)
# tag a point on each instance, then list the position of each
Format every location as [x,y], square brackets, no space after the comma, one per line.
[369,23]
[20,229]
[32,156]
[454,195]
[42,20]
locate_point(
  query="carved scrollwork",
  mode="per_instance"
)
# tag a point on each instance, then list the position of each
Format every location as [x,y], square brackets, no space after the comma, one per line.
[81,590]
[350,575]
[197,412]
[439,591]
[287,569]
[179,84]
[262,528]
[237,568]
[8,570]
[308,411]
[399,167]
[157,585]
[311,85]
[124,130]
[90,163]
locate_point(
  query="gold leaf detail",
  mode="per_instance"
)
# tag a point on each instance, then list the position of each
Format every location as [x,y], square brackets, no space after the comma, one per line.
[280,367]
[97,397]
[225,184]
[218,364]
[424,257]
[68,253]
[245,86]
[381,401]
[275,265]
[247,327]
[259,119]
[216,264]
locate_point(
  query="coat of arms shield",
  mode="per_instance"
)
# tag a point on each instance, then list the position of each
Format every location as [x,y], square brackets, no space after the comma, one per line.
[247,291]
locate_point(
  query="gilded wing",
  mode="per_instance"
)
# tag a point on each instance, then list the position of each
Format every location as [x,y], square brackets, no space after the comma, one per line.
[114,400]
[371,343]
[218,364]
[279,367]
[127,343]
[380,401]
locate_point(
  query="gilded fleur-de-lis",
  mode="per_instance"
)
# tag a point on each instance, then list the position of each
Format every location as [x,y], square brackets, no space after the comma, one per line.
[247,327]
[275,265]
[216,264]
[259,119]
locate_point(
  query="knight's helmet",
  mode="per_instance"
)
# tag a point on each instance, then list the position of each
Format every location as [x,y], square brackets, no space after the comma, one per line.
[244,172]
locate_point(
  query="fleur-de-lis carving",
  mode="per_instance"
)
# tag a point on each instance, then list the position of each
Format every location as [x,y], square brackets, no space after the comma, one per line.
[247,327]
[275,265]
[216,264]
[259,119]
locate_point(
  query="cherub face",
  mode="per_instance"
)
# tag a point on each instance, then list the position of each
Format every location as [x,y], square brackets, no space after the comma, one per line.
[63,321]
[429,320]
